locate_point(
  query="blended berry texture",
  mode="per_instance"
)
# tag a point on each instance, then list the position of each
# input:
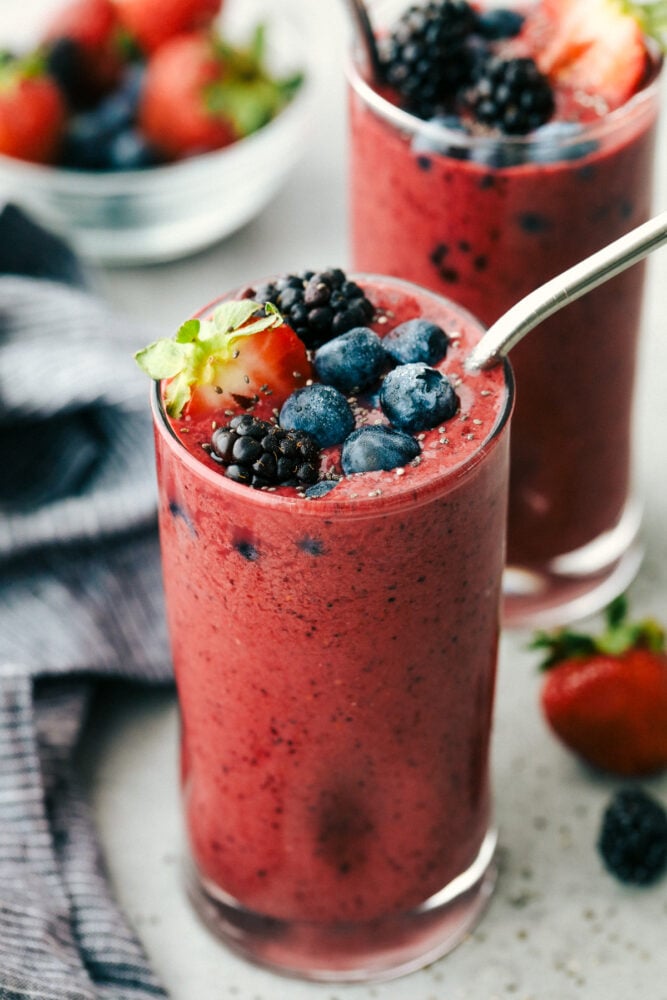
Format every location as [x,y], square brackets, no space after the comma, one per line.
[485,221]
[335,659]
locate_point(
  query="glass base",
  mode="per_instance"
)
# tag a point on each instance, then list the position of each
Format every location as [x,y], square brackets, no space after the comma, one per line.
[577,584]
[352,952]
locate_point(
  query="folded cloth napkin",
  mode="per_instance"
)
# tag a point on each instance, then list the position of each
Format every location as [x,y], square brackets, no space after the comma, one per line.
[80,598]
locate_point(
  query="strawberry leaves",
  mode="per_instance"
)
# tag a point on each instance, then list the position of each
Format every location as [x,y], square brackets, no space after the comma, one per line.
[619,636]
[652,17]
[201,347]
[247,95]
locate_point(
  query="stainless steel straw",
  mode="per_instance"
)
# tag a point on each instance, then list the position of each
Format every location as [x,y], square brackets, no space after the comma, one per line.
[565,288]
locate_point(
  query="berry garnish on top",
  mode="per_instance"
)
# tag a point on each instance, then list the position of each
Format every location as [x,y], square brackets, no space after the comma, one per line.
[320,410]
[633,837]
[257,453]
[512,95]
[598,46]
[605,696]
[427,58]
[242,353]
[271,413]
[318,305]
[351,361]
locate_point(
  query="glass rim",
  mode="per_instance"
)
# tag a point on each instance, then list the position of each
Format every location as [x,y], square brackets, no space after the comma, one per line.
[405,121]
[328,504]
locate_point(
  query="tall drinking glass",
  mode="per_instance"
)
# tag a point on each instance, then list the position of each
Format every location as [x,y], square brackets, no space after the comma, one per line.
[485,221]
[335,662]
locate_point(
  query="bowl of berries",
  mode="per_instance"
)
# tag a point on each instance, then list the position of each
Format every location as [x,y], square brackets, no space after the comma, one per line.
[143,132]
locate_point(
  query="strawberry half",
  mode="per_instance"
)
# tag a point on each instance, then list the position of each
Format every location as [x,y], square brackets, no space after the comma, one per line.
[596,46]
[32,112]
[151,23]
[605,697]
[242,355]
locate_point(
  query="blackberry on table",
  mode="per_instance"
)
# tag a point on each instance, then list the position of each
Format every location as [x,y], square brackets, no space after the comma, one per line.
[511,95]
[427,58]
[633,837]
[258,453]
[318,305]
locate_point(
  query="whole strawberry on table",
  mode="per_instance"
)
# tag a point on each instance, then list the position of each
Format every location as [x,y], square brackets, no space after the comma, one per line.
[605,696]
[128,84]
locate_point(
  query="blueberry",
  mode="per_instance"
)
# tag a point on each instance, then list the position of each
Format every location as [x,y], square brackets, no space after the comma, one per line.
[129,150]
[320,410]
[416,340]
[557,141]
[415,397]
[499,23]
[510,153]
[320,489]
[376,447]
[427,142]
[352,360]
[86,142]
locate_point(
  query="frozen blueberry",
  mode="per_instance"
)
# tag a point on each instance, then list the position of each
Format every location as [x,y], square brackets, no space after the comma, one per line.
[499,23]
[352,360]
[320,410]
[320,489]
[416,340]
[376,447]
[556,141]
[415,397]
[428,141]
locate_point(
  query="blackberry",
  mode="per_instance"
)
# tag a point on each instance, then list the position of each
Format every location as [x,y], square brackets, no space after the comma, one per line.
[633,837]
[427,58]
[257,453]
[511,95]
[318,305]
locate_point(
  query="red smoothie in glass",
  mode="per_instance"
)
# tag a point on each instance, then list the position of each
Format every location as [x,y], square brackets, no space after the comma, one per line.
[485,221]
[335,661]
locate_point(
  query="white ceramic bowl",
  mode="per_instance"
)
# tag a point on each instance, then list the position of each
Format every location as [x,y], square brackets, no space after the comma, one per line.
[165,212]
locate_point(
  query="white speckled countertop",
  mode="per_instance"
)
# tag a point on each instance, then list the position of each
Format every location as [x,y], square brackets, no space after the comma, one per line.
[558,927]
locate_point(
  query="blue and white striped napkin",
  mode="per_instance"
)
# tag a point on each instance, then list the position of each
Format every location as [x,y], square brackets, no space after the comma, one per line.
[80,598]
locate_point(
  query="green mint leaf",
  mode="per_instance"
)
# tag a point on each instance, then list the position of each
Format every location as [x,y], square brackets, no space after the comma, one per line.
[164,358]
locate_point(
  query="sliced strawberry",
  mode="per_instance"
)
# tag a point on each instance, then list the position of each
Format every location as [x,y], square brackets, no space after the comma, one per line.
[93,31]
[32,113]
[240,358]
[606,697]
[151,23]
[174,113]
[595,47]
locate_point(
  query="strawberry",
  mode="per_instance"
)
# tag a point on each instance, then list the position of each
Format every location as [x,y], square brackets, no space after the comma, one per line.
[201,94]
[84,45]
[174,112]
[32,111]
[151,23]
[596,46]
[606,697]
[243,354]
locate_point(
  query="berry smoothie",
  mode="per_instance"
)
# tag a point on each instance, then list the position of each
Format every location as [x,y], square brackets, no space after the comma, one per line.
[335,660]
[485,218]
